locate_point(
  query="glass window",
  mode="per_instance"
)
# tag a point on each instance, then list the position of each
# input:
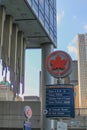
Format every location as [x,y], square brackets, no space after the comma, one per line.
[41,15]
[41,3]
[47,23]
[54,4]
[35,6]
[36,1]
[51,18]
[46,11]
[47,8]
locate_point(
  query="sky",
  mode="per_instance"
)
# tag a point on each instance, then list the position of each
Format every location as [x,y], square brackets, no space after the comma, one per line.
[32,71]
[71,20]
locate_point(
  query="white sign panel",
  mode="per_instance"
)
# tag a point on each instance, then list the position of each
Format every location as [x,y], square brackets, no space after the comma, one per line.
[61,126]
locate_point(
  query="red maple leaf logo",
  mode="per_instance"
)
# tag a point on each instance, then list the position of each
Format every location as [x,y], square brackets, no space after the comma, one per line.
[58,63]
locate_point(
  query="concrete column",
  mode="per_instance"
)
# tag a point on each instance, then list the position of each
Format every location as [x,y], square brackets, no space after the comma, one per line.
[47,48]
[19,57]
[12,61]
[19,51]
[23,57]
[22,73]
[7,39]
[2,19]
[13,47]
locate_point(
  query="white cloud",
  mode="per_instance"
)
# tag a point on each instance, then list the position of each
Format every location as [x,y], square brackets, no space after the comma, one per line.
[60,16]
[85,27]
[72,47]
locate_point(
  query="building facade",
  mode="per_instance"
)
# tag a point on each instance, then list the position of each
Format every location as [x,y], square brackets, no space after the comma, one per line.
[82,68]
[74,74]
[26,24]
[45,11]
[72,78]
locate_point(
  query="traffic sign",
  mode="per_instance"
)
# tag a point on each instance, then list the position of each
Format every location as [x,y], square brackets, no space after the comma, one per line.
[28,112]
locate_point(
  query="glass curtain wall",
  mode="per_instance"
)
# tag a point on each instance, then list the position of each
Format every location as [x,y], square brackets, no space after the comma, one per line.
[45,10]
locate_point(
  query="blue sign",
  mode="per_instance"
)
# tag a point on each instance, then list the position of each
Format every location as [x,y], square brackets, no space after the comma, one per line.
[27,126]
[60,101]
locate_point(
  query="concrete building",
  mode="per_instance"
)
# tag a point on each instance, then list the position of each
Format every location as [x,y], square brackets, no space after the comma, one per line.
[73,79]
[26,24]
[82,68]
[74,74]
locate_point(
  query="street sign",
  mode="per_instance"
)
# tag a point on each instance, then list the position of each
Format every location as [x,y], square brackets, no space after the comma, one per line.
[60,100]
[28,112]
[27,126]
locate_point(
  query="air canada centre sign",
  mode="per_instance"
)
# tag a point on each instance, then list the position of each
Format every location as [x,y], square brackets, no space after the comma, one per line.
[59,64]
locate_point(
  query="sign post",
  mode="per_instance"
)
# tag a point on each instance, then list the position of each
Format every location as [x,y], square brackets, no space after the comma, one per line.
[59,97]
[28,115]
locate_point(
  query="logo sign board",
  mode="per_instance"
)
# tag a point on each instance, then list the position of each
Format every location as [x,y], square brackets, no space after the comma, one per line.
[59,64]
[60,100]
[27,112]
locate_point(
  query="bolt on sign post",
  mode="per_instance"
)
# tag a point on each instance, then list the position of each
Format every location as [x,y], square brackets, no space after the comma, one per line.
[28,115]
[59,97]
